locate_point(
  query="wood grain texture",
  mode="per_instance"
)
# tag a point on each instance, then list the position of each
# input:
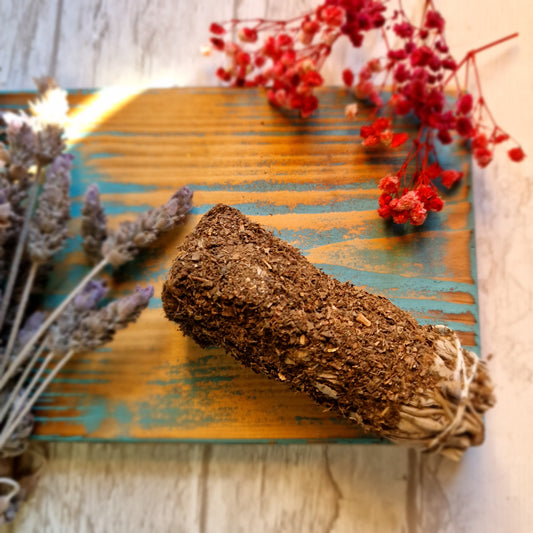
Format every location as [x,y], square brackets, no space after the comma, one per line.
[487,492]
[294,176]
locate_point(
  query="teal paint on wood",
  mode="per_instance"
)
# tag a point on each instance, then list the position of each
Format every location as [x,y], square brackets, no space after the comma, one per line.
[229,145]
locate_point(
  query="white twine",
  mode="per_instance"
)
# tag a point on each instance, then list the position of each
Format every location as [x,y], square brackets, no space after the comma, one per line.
[465,381]
[5,499]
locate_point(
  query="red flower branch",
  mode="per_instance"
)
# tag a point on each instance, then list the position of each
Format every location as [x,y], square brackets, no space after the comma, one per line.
[286,58]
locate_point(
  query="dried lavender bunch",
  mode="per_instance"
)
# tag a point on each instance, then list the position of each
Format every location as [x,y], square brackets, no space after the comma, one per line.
[33,141]
[34,216]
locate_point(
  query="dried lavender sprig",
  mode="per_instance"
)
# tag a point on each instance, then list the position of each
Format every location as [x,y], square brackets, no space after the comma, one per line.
[93,224]
[21,139]
[15,191]
[13,271]
[31,325]
[5,213]
[5,222]
[96,329]
[48,228]
[59,337]
[49,116]
[124,243]
[47,233]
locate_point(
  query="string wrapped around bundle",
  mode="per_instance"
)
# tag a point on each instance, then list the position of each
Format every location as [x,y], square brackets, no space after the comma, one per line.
[235,285]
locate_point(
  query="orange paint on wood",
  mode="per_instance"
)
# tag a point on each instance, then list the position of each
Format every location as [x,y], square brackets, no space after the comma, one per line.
[311,182]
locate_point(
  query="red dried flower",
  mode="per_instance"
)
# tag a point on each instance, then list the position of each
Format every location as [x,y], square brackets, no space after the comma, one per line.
[450,177]
[218,43]
[464,127]
[435,21]
[385,137]
[347,77]
[483,156]
[331,15]
[400,217]
[465,103]
[389,184]
[516,154]
[312,78]
[286,57]
[418,215]
[435,204]
[217,29]
[371,140]
[248,35]
[350,111]
[408,201]
[398,139]
[404,29]
[385,211]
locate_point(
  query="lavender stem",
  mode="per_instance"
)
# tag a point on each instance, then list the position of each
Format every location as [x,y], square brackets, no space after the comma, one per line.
[20,313]
[31,385]
[18,252]
[10,427]
[23,354]
[21,381]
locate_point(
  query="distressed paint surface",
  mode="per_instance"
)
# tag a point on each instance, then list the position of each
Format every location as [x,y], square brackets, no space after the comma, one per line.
[311,183]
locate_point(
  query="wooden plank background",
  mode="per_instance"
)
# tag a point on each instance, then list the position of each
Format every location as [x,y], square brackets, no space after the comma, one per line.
[324,487]
[311,182]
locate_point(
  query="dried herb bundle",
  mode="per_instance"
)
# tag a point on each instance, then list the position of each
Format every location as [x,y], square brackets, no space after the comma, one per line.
[235,285]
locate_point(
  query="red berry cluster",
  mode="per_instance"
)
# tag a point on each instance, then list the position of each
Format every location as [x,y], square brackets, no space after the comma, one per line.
[411,205]
[380,133]
[286,57]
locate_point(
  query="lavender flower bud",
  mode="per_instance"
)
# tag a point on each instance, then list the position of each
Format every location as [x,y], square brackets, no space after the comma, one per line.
[89,297]
[5,158]
[6,226]
[51,107]
[123,244]
[5,212]
[99,327]
[30,327]
[93,224]
[21,139]
[49,115]
[15,194]
[48,229]
[59,337]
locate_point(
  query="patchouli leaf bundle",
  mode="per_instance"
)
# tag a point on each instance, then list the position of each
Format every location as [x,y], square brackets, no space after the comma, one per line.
[235,285]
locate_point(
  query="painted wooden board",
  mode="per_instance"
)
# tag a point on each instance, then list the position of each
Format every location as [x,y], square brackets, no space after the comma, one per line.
[311,183]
